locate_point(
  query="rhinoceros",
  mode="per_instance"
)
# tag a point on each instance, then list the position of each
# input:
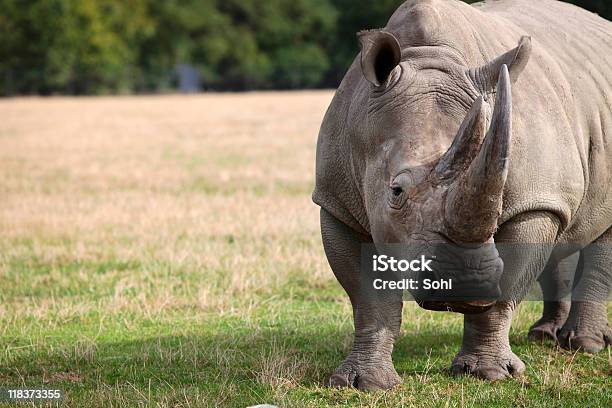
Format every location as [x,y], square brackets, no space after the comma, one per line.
[475,125]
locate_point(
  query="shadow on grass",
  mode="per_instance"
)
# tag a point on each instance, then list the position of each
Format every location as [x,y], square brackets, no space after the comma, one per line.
[251,362]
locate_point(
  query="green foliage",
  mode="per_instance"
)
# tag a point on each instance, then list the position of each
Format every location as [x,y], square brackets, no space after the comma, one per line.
[103,46]
[75,46]
[601,7]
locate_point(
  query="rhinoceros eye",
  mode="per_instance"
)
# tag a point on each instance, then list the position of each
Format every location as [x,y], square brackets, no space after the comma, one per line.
[397,190]
[397,194]
[400,188]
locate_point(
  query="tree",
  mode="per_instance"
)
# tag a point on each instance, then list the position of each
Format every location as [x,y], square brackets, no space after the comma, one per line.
[73,46]
[110,46]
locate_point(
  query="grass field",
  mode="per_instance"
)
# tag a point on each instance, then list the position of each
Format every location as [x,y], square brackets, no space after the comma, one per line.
[164,251]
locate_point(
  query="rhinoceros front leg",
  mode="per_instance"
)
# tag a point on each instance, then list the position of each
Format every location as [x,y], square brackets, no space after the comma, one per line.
[486,351]
[587,328]
[377,318]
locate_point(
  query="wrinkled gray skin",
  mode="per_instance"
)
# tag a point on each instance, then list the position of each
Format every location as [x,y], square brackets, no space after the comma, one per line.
[531,162]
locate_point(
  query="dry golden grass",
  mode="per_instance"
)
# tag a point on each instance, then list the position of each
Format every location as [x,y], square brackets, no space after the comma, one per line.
[206,183]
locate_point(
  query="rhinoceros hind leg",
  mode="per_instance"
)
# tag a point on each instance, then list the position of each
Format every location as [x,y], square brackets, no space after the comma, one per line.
[555,281]
[486,352]
[377,315]
[553,318]
[587,328]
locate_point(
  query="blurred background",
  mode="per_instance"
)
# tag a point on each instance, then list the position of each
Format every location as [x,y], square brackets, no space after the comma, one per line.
[83,47]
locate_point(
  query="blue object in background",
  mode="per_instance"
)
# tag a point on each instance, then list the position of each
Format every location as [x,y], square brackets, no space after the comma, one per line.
[188,79]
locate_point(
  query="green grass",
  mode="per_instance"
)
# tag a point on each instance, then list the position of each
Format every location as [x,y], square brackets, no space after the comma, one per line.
[280,352]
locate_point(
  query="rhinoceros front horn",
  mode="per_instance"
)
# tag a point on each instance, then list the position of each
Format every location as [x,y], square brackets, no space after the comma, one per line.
[474,200]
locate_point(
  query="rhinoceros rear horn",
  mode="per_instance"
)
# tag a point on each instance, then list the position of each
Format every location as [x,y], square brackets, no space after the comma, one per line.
[485,77]
[380,54]
[465,146]
[474,200]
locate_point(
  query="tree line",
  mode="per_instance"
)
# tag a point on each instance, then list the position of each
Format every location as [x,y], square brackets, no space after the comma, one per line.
[125,46]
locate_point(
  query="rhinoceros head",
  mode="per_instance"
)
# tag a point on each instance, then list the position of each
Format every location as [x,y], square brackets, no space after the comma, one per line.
[420,102]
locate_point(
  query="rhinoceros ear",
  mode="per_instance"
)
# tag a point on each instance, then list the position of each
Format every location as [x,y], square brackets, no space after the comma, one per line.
[380,54]
[485,77]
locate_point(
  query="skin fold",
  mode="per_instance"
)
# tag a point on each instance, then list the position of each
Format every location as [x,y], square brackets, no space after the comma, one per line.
[484,125]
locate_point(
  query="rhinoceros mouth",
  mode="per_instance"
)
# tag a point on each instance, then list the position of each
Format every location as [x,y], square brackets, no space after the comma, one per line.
[469,307]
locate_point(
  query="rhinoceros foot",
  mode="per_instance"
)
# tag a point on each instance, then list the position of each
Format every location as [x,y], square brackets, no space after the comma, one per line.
[365,377]
[586,328]
[589,342]
[488,367]
[546,329]
[543,332]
